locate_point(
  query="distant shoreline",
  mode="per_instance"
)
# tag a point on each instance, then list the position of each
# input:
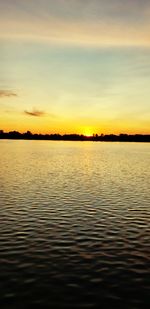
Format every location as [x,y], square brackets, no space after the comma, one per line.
[76,137]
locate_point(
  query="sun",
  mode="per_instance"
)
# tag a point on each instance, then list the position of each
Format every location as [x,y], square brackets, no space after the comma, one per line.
[88,132]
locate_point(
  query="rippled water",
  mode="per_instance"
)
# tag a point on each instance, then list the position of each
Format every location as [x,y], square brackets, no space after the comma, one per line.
[74,224]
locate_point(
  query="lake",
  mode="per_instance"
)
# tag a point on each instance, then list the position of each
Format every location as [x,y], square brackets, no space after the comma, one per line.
[74,224]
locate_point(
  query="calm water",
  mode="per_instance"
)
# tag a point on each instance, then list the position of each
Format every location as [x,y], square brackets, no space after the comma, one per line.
[74,224]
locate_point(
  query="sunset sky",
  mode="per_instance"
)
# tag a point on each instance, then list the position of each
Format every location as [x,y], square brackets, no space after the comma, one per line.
[75,66]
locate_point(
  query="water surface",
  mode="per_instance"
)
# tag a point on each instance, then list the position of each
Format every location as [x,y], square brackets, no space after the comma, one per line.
[74,224]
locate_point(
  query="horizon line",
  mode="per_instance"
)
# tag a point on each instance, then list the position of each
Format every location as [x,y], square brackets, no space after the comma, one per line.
[122,137]
[73,133]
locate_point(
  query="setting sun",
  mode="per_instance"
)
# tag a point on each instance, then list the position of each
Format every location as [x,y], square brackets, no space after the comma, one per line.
[88,131]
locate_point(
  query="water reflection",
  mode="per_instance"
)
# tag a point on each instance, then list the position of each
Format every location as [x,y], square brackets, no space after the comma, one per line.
[74,224]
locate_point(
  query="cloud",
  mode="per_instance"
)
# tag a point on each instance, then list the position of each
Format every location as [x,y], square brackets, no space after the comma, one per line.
[34,113]
[7,93]
[78,22]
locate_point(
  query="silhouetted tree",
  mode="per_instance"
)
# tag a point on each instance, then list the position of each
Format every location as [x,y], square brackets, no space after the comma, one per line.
[76,137]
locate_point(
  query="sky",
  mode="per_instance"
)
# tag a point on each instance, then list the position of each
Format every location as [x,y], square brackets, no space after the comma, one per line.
[75,66]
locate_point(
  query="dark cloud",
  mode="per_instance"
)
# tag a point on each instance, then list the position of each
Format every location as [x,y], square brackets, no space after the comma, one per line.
[34,113]
[7,93]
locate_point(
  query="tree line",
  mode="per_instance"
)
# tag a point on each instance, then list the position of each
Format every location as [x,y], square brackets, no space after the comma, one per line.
[76,137]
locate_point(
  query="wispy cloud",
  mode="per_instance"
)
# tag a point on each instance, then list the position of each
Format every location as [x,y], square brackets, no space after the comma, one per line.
[80,22]
[7,93]
[35,113]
